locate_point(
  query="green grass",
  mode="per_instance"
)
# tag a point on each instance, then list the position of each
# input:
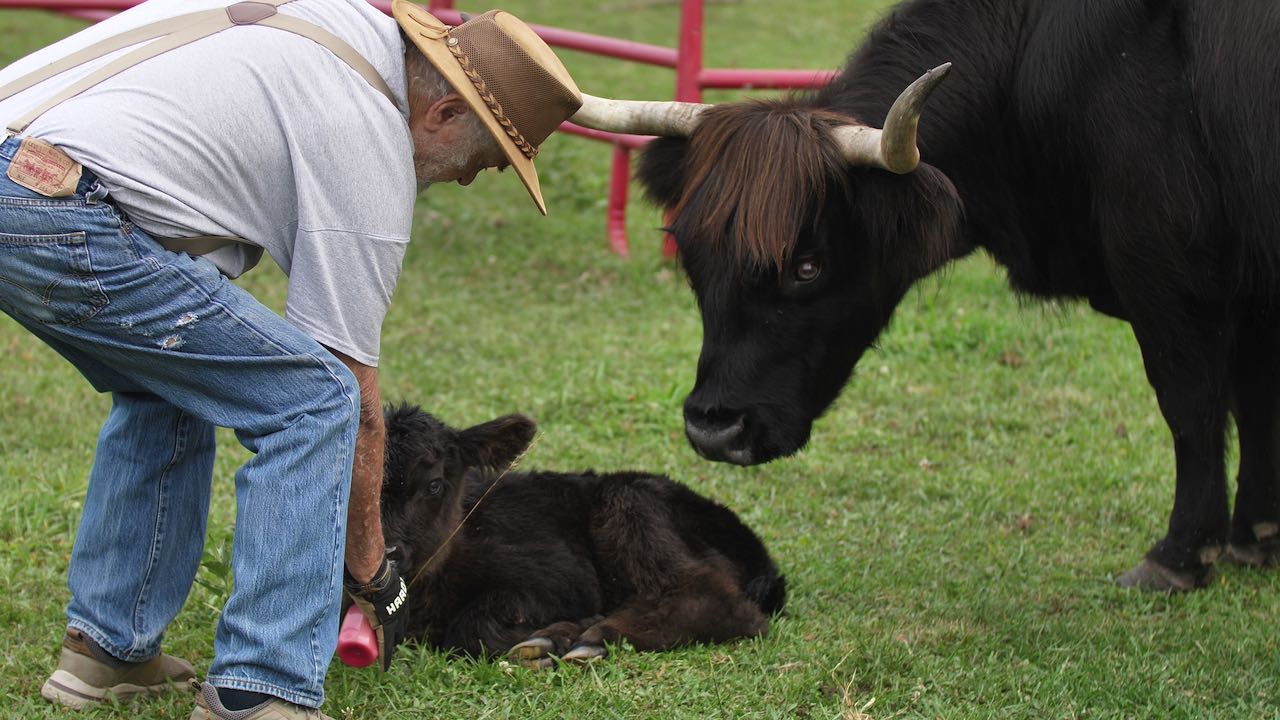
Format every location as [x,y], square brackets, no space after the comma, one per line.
[950,534]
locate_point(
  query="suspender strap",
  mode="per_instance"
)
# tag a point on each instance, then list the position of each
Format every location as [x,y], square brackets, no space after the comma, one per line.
[202,27]
[175,32]
[105,47]
[335,45]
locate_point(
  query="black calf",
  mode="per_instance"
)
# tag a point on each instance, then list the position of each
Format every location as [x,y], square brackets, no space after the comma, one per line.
[560,564]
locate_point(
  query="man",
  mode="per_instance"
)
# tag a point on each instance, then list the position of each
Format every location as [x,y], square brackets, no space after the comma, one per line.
[129,195]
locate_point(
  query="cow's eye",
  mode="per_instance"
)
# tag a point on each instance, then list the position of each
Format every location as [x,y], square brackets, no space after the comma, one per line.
[808,271]
[436,487]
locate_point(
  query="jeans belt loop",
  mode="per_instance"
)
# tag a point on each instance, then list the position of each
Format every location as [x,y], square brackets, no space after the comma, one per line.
[97,193]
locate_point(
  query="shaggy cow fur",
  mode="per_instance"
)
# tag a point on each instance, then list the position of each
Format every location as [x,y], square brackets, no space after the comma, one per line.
[1122,152]
[556,564]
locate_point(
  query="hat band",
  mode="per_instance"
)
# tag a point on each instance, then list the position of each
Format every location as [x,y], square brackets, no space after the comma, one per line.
[494,106]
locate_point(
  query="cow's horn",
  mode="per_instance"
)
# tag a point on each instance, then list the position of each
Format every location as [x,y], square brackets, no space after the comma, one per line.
[893,148]
[639,117]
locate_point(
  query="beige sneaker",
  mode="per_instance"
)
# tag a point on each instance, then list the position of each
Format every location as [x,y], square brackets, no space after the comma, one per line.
[88,675]
[209,707]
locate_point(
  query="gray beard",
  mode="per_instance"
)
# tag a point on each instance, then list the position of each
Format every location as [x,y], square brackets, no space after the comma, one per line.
[434,162]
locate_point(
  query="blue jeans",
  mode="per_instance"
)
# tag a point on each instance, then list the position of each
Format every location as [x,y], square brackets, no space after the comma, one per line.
[182,350]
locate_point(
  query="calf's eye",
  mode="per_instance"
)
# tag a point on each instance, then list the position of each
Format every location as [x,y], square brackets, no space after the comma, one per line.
[436,487]
[808,271]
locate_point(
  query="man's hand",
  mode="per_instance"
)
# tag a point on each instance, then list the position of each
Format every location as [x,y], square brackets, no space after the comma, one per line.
[384,600]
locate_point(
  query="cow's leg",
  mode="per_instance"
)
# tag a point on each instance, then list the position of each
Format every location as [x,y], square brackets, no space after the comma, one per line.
[542,646]
[491,624]
[1255,528]
[1167,270]
[706,607]
[677,597]
[1186,366]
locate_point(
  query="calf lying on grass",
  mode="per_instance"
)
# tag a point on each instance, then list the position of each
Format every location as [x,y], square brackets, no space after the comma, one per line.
[555,564]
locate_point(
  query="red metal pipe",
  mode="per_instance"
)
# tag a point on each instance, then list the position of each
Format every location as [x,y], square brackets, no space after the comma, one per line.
[689,52]
[568,39]
[764,79]
[610,47]
[70,5]
[616,215]
[628,141]
[669,249]
[92,16]
[686,59]
[688,68]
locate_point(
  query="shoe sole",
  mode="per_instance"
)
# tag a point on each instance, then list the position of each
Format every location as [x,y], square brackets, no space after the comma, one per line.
[70,691]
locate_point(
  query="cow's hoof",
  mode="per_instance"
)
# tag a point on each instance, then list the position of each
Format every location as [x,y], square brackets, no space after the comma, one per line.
[1263,554]
[586,653]
[1154,577]
[536,653]
[534,648]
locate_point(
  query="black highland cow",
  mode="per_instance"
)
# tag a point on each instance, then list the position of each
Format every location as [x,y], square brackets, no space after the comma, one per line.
[1124,152]
[553,564]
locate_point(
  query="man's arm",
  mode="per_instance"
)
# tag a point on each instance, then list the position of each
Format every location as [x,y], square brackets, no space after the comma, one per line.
[373,582]
[365,544]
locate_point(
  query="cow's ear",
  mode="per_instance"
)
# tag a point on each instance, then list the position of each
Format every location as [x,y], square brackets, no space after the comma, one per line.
[661,170]
[915,218]
[496,443]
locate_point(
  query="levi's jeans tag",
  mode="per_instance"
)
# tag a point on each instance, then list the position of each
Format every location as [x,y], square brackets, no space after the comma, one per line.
[43,168]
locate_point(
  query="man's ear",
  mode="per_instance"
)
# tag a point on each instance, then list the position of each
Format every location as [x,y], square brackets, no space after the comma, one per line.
[443,111]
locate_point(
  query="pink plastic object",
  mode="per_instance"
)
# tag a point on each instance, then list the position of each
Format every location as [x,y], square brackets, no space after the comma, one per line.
[357,645]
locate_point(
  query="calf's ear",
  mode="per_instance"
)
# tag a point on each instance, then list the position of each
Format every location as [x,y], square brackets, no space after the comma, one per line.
[497,443]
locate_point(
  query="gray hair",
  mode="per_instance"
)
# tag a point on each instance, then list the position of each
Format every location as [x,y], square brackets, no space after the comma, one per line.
[426,84]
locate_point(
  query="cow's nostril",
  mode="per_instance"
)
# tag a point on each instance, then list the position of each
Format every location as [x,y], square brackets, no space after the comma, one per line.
[711,418]
[714,432]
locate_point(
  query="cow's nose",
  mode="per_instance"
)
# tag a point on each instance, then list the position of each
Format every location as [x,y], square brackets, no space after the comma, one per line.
[717,434]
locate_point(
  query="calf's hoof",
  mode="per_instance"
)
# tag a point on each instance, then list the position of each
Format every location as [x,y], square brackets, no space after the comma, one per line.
[535,653]
[586,653]
[532,649]
[1154,577]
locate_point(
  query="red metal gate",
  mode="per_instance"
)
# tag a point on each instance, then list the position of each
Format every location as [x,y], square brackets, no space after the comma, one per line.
[686,59]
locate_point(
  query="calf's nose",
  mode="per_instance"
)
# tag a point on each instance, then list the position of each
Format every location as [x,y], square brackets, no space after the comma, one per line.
[717,434]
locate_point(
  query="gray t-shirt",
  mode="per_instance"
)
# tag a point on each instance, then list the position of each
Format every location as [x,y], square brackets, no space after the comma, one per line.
[260,134]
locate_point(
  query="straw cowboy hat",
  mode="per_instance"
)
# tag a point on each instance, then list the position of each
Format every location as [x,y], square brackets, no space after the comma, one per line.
[515,84]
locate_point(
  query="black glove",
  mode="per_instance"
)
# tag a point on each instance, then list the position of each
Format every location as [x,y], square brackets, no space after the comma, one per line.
[384,600]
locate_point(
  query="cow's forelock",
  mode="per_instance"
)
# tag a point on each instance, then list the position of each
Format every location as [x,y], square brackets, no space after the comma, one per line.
[754,176]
